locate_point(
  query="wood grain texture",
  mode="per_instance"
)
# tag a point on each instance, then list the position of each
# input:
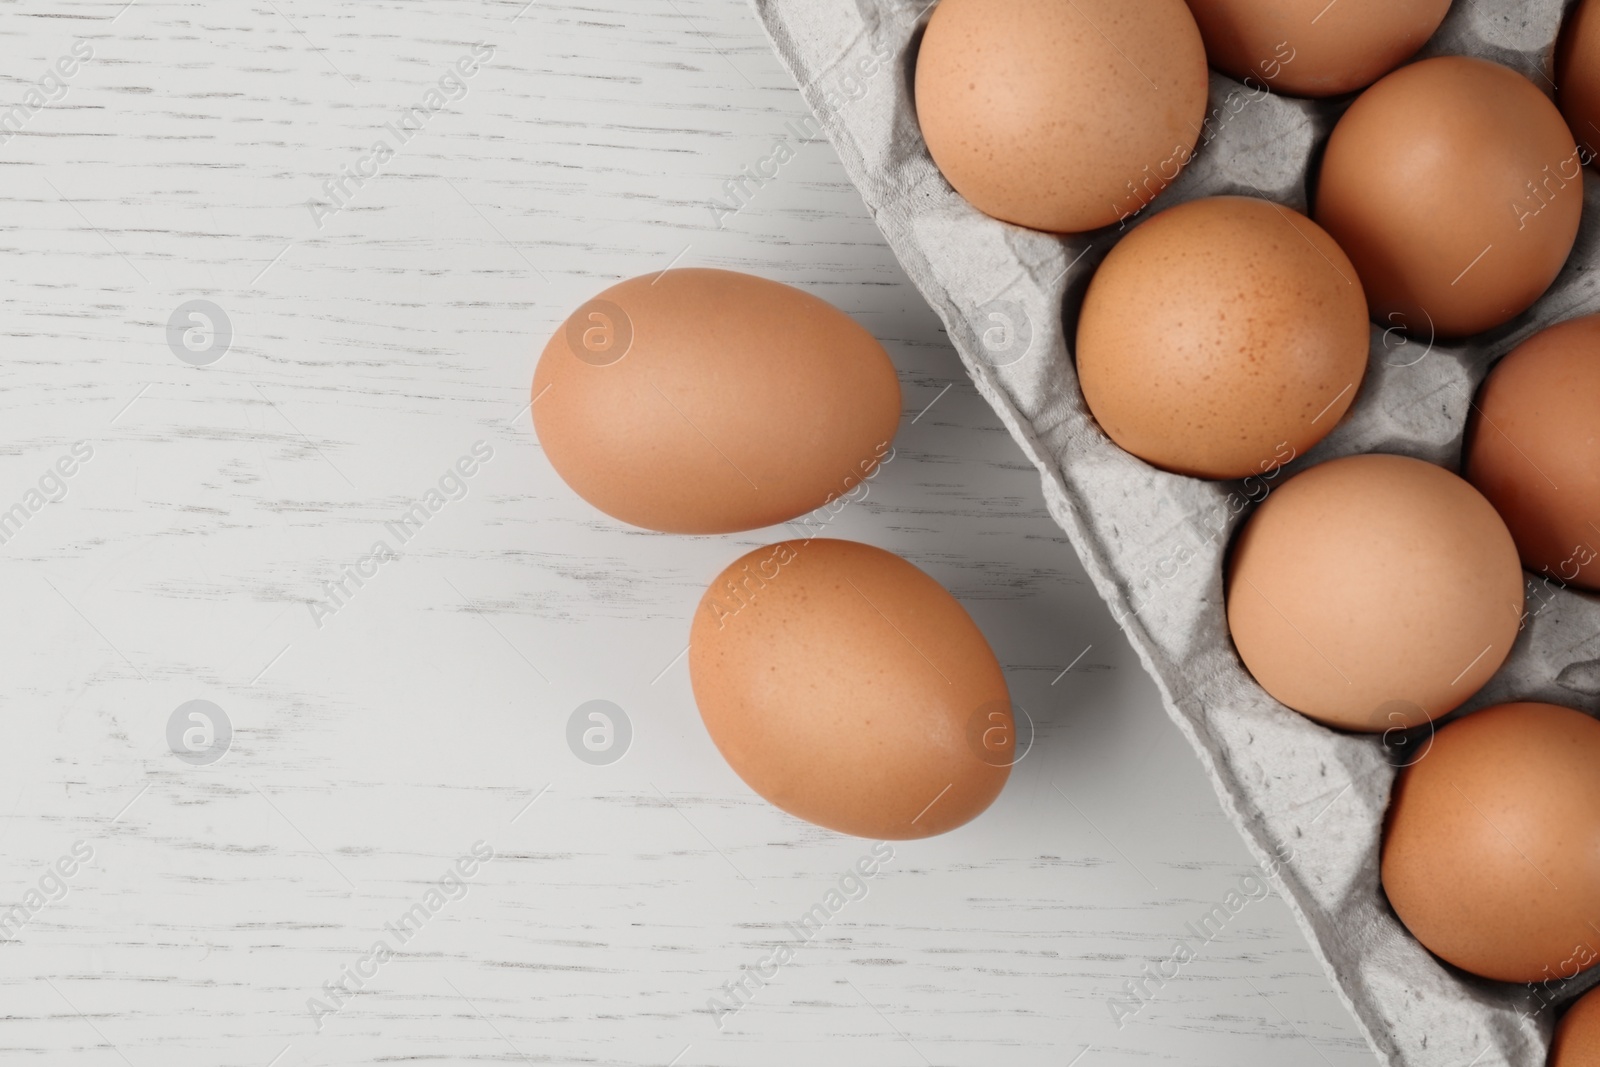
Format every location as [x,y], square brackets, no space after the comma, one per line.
[372,747]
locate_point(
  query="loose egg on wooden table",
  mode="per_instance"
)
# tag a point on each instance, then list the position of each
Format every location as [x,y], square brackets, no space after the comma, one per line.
[1060,116]
[708,401]
[851,690]
[1491,851]
[1374,592]
[1312,47]
[1450,184]
[1222,337]
[1533,448]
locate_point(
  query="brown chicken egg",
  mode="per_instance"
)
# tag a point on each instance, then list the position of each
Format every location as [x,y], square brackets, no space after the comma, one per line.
[1578,75]
[1533,448]
[1060,116]
[1374,592]
[1312,47]
[1577,1041]
[1222,338]
[851,690]
[1491,853]
[706,401]
[1451,184]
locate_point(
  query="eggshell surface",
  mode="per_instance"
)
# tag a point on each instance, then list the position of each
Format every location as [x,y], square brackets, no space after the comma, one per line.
[1312,47]
[1222,337]
[1455,188]
[1533,448]
[1061,116]
[1577,1042]
[1578,74]
[1491,853]
[851,690]
[708,401]
[1374,592]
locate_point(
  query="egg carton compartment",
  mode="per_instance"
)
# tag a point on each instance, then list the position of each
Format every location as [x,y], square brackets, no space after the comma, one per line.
[1154,542]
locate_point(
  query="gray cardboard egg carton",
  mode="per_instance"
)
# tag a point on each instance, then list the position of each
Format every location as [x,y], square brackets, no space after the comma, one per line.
[1153,542]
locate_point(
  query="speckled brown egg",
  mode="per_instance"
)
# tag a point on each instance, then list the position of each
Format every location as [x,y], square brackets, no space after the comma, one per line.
[708,401]
[1491,853]
[851,690]
[1578,75]
[1222,338]
[1373,592]
[1444,182]
[1577,1042]
[1533,448]
[1061,116]
[1312,47]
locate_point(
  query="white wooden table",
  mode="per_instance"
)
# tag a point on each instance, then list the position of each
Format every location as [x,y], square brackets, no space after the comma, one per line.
[374,340]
